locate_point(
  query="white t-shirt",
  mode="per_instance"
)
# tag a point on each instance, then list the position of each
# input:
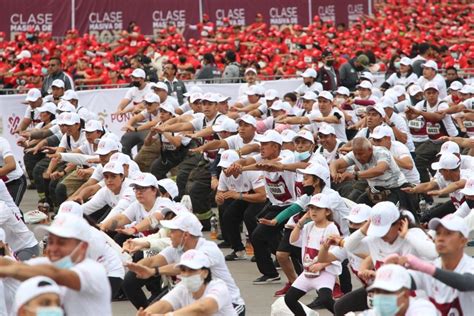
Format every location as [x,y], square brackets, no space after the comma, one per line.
[95,294]
[354,260]
[310,240]
[136,95]
[446,299]
[402,126]
[17,234]
[447,121]
[456,197]
[136,212]
[6,151]
[399,150]
[31,113]
[74,144]
[315,87]
[249,180]
[333,155]
[180,297]
[132,170]
[339,127]
[416,307]
[394,79]
[218,267]
[171,101]
[8,288]
[101,251]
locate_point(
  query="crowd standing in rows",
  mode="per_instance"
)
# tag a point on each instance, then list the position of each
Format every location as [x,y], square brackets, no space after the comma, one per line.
[339,175]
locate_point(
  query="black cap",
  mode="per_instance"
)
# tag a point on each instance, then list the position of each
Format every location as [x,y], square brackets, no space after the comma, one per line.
[327,53]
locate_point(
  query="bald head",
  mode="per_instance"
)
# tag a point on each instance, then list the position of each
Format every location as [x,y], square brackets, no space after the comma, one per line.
[361,143]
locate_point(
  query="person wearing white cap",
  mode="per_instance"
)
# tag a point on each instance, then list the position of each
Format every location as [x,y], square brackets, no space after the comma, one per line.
[383,136]
[34,101]
[251,101]
[391,294]
[377,166]
[450,179]
[329,143]
[277,110]
[83,281]
[461,110]
[198,292]
[403,76]
[135,95]
[375,116]
[191,96]
[11,173]
[185,234]
[199,184]
[162,89]
[309,83]
[431,75]
[55,92]
[448,279]
[309,233]
[117,193]
[250,78]
[239,199]
[427,125]
[38,296]
[56,72]
[309,101]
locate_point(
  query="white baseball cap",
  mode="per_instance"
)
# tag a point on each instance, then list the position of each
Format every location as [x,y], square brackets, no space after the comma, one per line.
[168,108]
[326,95]
[399,90]
[93,125]
[58,83]
[326,129]
[186,222]
[451,222]
[106,145]
[23,54]
[359,213]
[195,96]
[269,136]
[228,157]
[281,106]
[159,85]
[222,98]
[467,89]
[365,84]
[69,118]
[113,167]
[68,226]
[255,89]
[211,97]
[193,89]
[310,95]
[304,134]
[321,200]
[382,131]
[387,101]
[430,64]
[144,179]
[343,91]
[318,171]
[139,73]
[456,86]
[430,85]
[377,108]
[271,94]
[449,147]
[48,107]
[227,125]
[70,95]
[383,215]
[34,217]
[391,278]
[194,259]
[34,287]
[249,119]
[288,135]
[33,95]
[405,61]
[66,106]
[250,69]
[152,98]
[170,187]
[120,158]
[2,235]
[309,73]
[367,76]
[447,161]
[414,89]
[468,187]
[71,207]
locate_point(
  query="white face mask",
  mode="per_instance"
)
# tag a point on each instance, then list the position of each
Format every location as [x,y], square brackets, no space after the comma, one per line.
[193,282]
[339,100]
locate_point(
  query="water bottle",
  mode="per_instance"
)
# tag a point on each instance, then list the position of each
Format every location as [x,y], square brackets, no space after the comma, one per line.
[186,201]
[214,228]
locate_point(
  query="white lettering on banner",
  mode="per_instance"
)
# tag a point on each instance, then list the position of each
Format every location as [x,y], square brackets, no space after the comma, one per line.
[354,11]
[327,12]
[42,22]
[287,15]
[236,16]
[106,21]
[162,18]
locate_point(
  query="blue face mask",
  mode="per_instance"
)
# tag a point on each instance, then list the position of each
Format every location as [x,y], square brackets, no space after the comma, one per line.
[49,311]
[303,156]
[66,262]
[385,304]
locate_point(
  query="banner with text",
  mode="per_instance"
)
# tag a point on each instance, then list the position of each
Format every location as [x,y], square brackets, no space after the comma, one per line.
[341,11]
[43,16]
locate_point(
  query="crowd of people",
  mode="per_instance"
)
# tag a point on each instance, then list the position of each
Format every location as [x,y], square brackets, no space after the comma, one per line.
[338,178]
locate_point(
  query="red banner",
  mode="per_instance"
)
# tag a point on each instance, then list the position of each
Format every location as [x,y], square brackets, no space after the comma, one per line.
[341,11]
[44,16]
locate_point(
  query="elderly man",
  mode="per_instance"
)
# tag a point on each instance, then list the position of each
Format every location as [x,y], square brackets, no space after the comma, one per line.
[374,164]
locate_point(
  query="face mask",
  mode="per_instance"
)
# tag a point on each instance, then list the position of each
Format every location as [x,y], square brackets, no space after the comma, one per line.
[66,262]
[397,64]
[329,63]
[339,101]
[303,156]
[385,304]
[454,55]
[49,311]
[192,283]
[308,189]
[136,84]
[309,46]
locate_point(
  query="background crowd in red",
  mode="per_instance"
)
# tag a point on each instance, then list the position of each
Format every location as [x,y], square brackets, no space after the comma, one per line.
[395,29]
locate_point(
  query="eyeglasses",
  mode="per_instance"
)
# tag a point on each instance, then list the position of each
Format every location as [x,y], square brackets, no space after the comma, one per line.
[138,188]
